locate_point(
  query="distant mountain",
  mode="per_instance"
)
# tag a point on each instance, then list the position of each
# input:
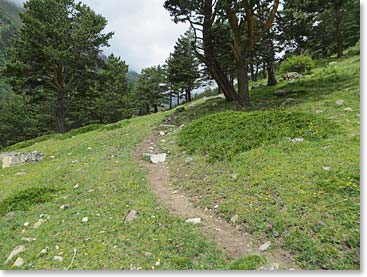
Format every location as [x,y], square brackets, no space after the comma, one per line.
[132,76]
[9,22]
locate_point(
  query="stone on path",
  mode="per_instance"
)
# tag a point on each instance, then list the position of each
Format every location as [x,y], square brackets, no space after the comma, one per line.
[15,252]
[193,220]
[131,216]
[265,246]
[158,158]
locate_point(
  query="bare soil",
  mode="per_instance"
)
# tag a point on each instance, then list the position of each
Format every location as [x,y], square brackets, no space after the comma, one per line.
[229,237]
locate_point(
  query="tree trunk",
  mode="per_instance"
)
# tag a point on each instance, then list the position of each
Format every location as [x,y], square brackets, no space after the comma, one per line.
[178,98]
[242,79]
[252,70]
[170,101]
[272,81]
[264,71]
[147,108]
[188,94]
[60,113]
[155,108]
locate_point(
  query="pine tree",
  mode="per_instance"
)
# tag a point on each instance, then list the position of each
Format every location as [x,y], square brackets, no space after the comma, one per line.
[56,57]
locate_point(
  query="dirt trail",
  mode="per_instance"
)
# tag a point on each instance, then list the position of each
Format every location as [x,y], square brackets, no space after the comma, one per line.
[236,242]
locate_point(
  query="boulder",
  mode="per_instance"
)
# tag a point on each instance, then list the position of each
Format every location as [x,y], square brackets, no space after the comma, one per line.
[292,76]
[14,159]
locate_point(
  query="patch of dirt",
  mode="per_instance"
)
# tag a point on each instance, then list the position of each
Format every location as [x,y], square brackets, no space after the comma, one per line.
[236,242]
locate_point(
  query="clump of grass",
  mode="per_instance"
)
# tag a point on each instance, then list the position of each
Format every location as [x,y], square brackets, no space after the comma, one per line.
[251,262]
[115,126]
[222,136]
[23,200]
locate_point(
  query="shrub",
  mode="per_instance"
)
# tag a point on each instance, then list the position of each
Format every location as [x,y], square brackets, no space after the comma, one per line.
[224,135]
[21,201]
[251,262]
[300,64]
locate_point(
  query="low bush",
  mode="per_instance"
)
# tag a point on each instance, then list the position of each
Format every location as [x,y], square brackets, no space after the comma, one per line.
[223,135]
[300,64]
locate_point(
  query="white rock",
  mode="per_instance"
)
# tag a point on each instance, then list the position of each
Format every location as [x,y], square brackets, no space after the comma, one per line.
[52,157]
[193,220]
[158,158]
[327,168]
[131,216]
[89,148]
[42,252]
[188,159]
[15,252]
[76,186]
[339,102]
[162,133]
[38,223]
[29,239]
[319,111]
[26,224]
[18,262]
[265,246]
[58,258]
[348,109]
[85,219]
[298,140]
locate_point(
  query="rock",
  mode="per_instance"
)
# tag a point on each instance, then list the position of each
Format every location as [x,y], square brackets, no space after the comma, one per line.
[235,218]
[26,224]
[38,223]
[158,158]
[319,111]
[333,63]
[18,262]
[147,254]
[29,239]
[348,109]
[131,216]
[188,159]
[15,252]
[276,234]
[297,140]
[85,219]
[65,207]
[281,92]
[292,76]
[58,258]
[265,246]
[52,157]
[76,186]
[42,252]
[162,133]
[339,102]
[20,173]
[14,159]
[193,220]
[327,168]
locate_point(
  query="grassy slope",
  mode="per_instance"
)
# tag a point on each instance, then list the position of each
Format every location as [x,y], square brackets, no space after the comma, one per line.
[316,212]
[109,186]
[301,193]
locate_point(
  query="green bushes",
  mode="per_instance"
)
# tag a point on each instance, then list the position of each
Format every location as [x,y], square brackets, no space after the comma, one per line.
[300,64]
[223,135]
[23,200]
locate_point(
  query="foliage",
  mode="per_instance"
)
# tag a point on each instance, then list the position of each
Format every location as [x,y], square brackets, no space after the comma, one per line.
[150,89]
[222,136]
[247,263]
[300,64]
[42,63]
[303,197]
[23,200]
[110,184]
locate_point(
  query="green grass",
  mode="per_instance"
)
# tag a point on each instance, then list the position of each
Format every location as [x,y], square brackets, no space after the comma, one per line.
[110,184]
[305,196]
[224,135]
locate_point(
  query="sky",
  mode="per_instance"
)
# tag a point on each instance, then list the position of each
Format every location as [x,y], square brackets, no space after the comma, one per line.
[144,31]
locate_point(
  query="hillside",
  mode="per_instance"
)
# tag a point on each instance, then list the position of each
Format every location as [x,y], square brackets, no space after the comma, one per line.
[9,22]
[286,178]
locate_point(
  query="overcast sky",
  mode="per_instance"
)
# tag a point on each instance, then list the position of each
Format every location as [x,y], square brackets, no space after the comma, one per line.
[144,32]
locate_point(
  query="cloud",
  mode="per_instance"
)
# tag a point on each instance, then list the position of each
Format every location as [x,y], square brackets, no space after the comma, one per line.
[144,32]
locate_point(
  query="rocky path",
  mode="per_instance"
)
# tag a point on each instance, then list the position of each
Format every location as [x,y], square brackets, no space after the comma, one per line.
[236,242]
